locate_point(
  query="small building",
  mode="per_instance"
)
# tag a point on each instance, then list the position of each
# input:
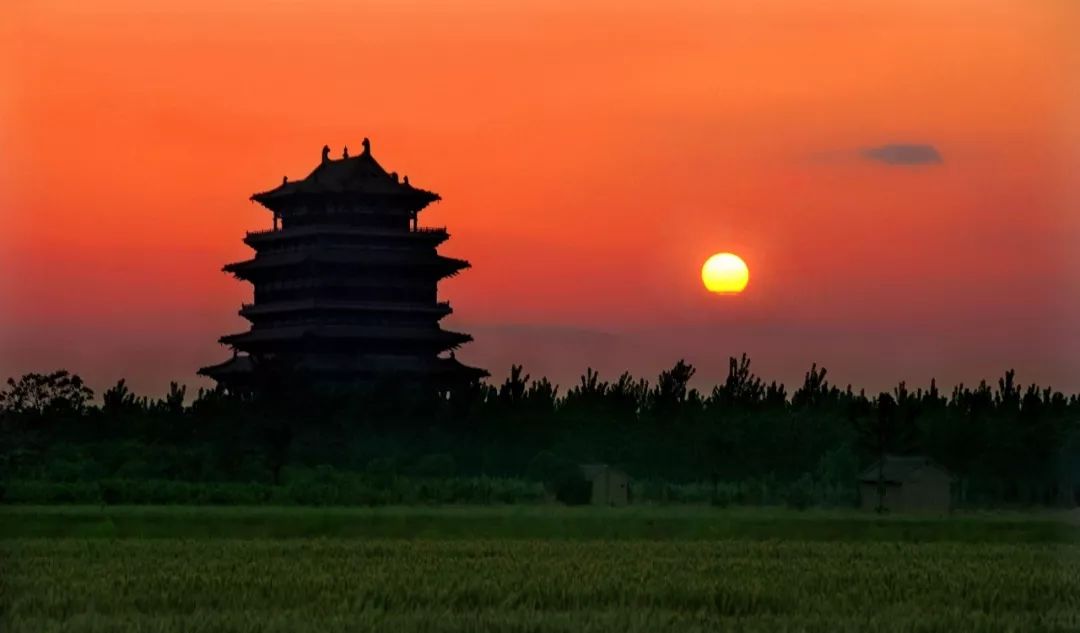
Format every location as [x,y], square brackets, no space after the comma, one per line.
[912,484]
[610,486]
[1069,472]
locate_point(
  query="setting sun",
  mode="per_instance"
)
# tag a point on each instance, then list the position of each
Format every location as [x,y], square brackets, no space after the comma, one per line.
[725,273]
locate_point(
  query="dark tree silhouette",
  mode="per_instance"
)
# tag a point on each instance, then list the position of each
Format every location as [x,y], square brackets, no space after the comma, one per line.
[59,392]
[1006,443]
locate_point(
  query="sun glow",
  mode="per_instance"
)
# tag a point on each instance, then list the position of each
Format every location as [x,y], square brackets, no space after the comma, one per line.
[725,273]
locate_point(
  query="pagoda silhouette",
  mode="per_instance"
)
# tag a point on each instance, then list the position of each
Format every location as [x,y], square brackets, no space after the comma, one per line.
[346,283]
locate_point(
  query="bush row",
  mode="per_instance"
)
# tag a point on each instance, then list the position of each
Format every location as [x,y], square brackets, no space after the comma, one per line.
[321,488]
[352,491]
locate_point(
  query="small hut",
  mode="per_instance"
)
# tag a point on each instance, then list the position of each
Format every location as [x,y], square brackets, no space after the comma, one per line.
[912,484]
[1069,472]
[610,486]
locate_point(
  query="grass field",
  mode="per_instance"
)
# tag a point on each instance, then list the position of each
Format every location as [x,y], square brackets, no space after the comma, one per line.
[532,569]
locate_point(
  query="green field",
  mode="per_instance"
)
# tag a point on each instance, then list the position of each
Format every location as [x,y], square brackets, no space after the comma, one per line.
[532,569]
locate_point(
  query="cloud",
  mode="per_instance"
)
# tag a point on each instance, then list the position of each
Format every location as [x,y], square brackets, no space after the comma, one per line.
[903,154]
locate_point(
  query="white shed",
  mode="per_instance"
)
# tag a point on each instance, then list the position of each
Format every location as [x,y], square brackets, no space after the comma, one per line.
[911,484]
[610,486]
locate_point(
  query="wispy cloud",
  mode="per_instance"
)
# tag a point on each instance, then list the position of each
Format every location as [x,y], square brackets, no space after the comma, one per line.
[903,154]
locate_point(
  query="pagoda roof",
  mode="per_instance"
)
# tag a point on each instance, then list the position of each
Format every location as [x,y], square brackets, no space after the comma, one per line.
[235,366]
[433,233]
[447,266]
[346,332]
[242,365]
[454,366]
[305,305]
[356,175]
[385,363]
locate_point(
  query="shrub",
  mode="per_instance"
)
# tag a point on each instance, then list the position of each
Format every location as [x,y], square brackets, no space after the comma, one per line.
[382,467]
[574,491]
[437,465]
[110,492]
[561,478]
[800,494]
[545,466]
[721,497]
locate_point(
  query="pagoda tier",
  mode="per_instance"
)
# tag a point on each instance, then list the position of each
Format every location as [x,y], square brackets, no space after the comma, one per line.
[347,261]
[366,289]
[318,307]
[335,235]
[346,281]
[350,369]
[311,336]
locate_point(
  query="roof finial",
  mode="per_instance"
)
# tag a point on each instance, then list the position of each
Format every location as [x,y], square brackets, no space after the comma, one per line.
[345,153]
[325,153]
[284,180]
[367,146]
[393,175]
[407,182]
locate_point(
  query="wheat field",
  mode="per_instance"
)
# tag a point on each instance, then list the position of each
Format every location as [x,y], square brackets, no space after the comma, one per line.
[536,585]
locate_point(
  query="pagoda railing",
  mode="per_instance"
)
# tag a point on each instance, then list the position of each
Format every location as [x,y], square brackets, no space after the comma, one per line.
[424,230]
[445,305]
[342,248]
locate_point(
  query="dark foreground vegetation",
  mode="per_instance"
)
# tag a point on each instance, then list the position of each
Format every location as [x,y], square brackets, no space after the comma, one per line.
[522,522]
[535,569]
[742,442]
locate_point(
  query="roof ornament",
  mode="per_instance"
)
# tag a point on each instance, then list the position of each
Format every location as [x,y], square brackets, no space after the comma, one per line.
[407,182]
[325,153]
[367,146]
[345,153]
[284,180]
[393,175]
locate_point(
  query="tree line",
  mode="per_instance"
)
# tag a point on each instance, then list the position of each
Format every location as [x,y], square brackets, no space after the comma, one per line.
[1005,443]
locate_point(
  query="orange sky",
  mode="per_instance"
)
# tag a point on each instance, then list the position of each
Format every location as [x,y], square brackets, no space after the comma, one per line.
[590,156]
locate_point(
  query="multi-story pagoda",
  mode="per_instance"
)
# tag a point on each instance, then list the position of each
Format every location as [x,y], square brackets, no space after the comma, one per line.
[346,282]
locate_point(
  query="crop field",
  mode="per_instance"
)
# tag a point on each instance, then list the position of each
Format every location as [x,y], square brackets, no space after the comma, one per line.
[889,577]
